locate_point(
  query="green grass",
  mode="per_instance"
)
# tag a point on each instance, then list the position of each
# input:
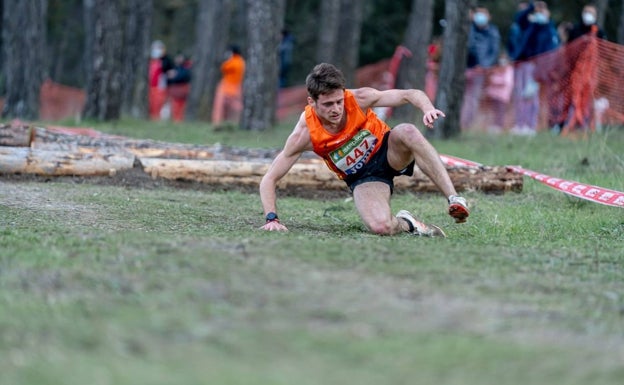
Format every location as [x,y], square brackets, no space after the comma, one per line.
[113,285]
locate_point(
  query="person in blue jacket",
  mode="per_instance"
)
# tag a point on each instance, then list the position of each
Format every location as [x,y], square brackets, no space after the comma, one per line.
[483,52]
[538,35]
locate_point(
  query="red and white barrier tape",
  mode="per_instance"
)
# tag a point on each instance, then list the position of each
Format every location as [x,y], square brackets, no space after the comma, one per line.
[580,190]
[458,162]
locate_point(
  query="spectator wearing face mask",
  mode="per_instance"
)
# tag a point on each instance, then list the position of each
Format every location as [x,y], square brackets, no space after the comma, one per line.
[580,52]
[483,52]
[538,35]
[589,18]
[159,64]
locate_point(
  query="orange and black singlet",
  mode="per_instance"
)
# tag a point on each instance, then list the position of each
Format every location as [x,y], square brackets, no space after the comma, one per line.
[348,151]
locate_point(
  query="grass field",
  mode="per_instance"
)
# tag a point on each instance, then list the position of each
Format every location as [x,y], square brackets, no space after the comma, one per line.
[116,285]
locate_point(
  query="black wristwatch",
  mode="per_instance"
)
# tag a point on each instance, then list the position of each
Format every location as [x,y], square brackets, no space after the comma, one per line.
[271,217]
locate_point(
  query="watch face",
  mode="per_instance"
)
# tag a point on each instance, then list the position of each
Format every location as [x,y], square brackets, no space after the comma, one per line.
[271,217]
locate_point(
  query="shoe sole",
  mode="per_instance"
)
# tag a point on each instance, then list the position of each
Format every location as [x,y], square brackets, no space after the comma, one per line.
[428,231]
[435,231]
[458,212]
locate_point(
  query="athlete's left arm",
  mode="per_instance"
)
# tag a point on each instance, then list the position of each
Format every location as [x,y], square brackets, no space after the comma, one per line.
[368,97]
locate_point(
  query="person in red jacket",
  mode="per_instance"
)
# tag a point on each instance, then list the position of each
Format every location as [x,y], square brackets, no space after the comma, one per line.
[340,126]
[159,64]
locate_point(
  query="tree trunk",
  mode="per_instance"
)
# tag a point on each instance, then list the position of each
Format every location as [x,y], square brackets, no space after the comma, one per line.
[210,45]
[138,24]
[602,6]
[451,82]
[620,30]
[349,31]
[328,19]
[413,69]
[2,86]
[24,47]
[104,59]
[261,73]
[66,52]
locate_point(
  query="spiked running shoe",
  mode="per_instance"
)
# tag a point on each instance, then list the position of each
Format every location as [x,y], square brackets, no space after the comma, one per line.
[418,227]
[458,208]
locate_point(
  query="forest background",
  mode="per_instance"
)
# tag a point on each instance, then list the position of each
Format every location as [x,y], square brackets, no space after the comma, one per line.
[103,46]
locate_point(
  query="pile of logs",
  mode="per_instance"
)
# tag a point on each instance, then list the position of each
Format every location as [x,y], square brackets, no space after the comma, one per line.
[54,151]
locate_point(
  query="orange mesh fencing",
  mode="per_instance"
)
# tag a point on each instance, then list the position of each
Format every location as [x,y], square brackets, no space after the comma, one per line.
[575,88]
[58,102]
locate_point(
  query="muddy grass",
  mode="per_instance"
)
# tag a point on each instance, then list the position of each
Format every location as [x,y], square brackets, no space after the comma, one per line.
[137,178]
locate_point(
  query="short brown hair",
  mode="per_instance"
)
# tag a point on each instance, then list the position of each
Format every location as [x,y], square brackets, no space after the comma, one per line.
[324,78]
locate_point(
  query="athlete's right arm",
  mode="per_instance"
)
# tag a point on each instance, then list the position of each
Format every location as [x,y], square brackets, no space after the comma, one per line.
[298,142]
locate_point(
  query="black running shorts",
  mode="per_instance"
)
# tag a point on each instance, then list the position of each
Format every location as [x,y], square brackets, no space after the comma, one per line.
[377,169]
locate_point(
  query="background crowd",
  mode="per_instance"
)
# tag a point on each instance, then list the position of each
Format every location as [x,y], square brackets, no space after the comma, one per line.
[518,71]
[503,74]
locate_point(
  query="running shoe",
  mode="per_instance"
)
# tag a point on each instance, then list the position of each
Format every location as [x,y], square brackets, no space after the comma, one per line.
[458,208]
[418,227]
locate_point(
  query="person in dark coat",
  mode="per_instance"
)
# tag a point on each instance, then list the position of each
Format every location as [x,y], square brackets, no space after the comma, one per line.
[483,52]
[179,86]
[587,23]
[538,36]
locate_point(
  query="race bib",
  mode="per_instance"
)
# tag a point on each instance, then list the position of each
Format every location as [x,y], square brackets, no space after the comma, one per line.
[354,154]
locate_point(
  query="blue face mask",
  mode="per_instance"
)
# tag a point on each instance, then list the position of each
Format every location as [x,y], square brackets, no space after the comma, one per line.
[480,19]
[540,18]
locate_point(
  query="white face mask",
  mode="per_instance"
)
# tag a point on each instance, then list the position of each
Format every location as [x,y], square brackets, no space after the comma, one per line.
[156,53]
[480,19]
[588,18]
[540,18]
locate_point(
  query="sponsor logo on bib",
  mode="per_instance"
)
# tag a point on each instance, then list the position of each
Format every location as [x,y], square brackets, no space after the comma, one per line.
[354,154]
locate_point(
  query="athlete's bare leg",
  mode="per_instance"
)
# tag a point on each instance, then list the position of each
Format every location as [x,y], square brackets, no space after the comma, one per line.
[406,143]
[372,201]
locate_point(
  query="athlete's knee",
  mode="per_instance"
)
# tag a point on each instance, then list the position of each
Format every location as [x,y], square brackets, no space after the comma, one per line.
[409,132]
[381,227]
[405,126]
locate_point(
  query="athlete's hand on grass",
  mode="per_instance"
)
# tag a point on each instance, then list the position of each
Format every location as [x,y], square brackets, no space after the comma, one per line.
[274,226]
[431,116]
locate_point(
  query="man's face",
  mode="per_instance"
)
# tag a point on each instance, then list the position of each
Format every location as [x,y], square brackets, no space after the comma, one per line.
[329,107]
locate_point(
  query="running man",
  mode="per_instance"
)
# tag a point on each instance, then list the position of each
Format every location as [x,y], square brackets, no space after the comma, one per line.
[340,126]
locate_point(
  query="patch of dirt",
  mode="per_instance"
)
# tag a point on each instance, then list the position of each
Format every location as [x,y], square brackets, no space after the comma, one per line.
[137,178]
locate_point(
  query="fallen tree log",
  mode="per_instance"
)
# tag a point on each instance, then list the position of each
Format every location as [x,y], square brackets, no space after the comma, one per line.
[87,140]
[61,140]
[314,174]
[15,135]
[24,160]
[61,152]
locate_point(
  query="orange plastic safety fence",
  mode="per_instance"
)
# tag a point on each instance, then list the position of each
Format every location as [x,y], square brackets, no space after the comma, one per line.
[573,89]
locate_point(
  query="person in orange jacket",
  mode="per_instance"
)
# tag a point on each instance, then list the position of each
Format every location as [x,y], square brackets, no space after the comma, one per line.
[228,102]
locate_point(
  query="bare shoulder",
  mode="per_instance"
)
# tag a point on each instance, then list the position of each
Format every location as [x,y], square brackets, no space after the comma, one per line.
[366,96]
[299,139]
[365,93]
